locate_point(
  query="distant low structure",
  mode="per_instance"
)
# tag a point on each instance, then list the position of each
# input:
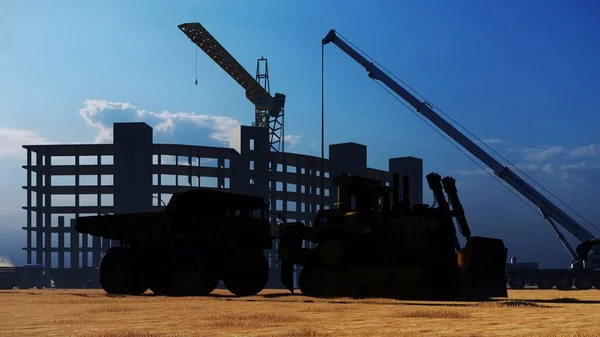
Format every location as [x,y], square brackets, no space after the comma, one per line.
[133,174]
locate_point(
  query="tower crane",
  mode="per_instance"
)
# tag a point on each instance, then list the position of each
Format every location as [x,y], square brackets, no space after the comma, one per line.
[548,210]
[269,110]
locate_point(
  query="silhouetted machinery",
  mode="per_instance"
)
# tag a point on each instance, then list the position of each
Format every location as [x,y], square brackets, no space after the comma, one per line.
[373,245]
[201,237]
[585,257]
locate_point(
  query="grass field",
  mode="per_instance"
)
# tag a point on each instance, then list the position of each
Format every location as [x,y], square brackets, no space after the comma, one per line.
[91,313]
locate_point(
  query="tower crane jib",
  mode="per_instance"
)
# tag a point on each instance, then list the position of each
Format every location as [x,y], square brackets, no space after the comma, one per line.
[269,109]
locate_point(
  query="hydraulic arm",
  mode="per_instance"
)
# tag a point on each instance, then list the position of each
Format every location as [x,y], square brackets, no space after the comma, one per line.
[548,210]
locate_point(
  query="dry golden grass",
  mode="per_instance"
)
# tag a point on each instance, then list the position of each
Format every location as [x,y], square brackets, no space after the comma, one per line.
[432,313]
[274,313]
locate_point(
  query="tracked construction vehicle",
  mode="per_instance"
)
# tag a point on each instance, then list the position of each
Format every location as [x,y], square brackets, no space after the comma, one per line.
[372,245]
[201,237]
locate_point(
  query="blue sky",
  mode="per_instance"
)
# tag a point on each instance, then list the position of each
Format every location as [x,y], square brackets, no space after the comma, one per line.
[522,74]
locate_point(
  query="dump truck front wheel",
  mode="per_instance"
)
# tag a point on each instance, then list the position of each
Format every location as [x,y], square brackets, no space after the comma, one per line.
[120,275]
[247,274]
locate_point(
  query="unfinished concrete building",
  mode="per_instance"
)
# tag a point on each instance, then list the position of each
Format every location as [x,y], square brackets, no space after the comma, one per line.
[133,174]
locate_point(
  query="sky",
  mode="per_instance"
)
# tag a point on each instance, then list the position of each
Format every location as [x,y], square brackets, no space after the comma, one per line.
[522,76]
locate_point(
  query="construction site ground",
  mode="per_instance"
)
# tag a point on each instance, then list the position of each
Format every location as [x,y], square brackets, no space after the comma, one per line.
[92,313]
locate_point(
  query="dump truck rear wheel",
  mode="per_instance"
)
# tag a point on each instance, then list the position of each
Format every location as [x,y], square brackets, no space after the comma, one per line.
[119,274]
[248,274]
[193,274]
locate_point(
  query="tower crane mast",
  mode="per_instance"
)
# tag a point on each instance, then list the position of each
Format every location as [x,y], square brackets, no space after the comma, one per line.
[269,109]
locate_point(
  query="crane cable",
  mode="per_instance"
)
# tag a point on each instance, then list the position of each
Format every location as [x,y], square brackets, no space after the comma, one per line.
[456,146]
[469,132]
[196,65]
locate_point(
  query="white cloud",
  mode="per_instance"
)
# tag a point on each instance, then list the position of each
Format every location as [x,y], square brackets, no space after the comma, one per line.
[292,140]
[527,167]
[220,125]
[480,171]
[166,126]
[95,107]
[12,140]
[474,172]
[585,151]
[492,141]
[550,152]
[566,174]
[569,171]
[541,154]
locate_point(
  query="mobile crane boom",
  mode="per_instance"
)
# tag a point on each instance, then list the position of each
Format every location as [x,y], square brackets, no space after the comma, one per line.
[548,210]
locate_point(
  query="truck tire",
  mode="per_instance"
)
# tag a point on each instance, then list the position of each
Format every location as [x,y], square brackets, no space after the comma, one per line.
[331,253]
[516,283]
[247,275]
[120,275]
[193,274]
[310,284]
[564,283]
[545,283]
[160,287]
[334,249]
[583,283]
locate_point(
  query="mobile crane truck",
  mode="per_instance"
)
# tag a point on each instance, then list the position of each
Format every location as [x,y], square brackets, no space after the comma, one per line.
[582,270]
[25,277]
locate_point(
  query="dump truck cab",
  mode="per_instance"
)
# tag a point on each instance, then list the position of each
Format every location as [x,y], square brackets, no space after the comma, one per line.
[201,237]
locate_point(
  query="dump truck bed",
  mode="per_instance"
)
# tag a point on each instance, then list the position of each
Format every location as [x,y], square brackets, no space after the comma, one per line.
[147,228]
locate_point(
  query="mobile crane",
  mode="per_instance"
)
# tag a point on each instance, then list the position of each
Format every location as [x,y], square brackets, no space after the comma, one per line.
[580,270]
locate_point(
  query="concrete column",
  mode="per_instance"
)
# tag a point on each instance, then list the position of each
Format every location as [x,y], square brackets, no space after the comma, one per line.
[132,167]
[221,172]
[74,246]
[39,208]
[29,225]
[47,210]
[97,241]
[413,168]
[252,144]
[348,158]
[61,242]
